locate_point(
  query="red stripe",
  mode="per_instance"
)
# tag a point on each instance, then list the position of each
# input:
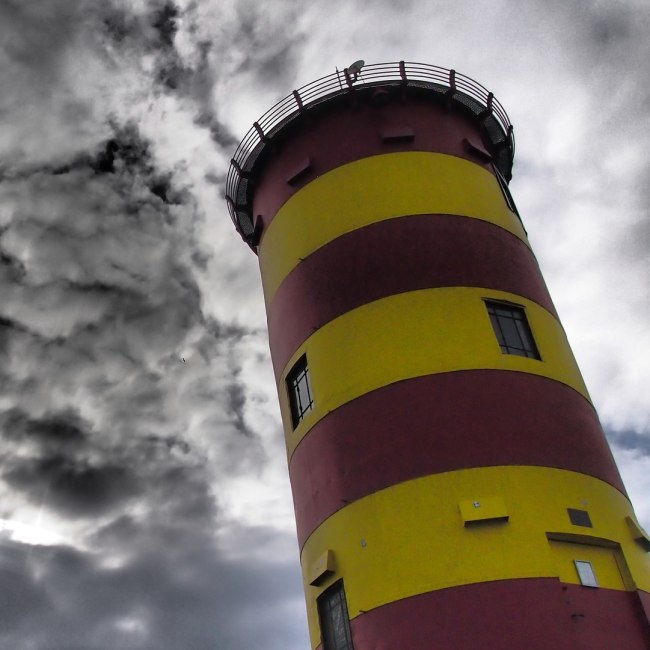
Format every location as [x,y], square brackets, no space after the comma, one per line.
[393,256]
[530,614]
[440,423]
[338,137]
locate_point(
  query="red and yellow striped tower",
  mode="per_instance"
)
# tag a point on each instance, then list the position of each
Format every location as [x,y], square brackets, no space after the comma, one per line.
[453,487]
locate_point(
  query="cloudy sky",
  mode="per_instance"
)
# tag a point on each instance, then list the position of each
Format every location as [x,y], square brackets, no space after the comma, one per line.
[144,501]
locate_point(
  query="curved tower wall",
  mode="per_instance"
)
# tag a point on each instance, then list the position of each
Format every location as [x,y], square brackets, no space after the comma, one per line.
[456,487]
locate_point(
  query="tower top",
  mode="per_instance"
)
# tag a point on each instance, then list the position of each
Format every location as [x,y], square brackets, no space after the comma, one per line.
[377,84]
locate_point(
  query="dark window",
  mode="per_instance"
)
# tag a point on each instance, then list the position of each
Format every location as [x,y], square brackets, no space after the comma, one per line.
[334,618]
[579,517]
[300,393]
[512,329]
[503,184]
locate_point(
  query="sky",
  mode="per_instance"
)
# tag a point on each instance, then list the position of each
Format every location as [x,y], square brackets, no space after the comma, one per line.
[144,498]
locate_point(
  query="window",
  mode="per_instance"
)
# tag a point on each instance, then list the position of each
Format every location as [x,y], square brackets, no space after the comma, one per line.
[334,618]
[505,190]
[579,517]
[300,393]
[586,573]
[512,329]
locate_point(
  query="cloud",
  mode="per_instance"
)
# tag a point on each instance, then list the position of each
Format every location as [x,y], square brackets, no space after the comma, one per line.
[174,590]
[124,421]
[630,440]
[73,488]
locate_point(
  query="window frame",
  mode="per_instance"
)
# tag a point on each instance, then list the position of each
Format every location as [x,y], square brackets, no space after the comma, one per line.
[293,383]
[507,195]
[528,348]
[579,517]
[586,574]
[327,623]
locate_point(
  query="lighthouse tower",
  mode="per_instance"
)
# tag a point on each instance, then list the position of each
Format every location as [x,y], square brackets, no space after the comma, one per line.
[453,488]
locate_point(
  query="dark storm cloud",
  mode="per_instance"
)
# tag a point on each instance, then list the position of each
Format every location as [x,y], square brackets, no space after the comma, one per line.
[610,30]
[630,440]
[27,29]
[11,268]
[194,77]
[175,591]
[236,394]
[126,418]
[152,28]
[219,133]
[44,115]
[164,22]
[127,150]
[72,487]
[155,577]
[269,41]
[100,303]
[53,428]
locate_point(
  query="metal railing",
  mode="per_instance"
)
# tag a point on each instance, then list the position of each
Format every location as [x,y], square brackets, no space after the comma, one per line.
[443,80]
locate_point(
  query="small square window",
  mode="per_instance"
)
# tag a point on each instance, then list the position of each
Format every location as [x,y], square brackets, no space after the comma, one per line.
[334,618]
[579,517]
[586,573]
[512,330]
[301,397]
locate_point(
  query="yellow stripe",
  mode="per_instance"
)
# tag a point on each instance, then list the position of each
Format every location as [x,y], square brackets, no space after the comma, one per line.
[374,189]
[410,539]
[415,334]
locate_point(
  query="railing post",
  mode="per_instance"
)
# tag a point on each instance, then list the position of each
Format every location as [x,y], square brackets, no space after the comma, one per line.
[236,165]
[452,80]
[452,88]
[258,128]
[488,110]
[402,72]
[296,96]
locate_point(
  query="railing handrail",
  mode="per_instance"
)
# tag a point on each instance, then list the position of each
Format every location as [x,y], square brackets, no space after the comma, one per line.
[339,83]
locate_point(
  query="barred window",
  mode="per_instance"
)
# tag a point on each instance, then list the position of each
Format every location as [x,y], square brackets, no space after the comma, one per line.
[512,329]
[334,618]
[300,394]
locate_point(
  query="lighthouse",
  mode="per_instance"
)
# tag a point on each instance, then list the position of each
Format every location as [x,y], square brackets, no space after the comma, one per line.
[452,484]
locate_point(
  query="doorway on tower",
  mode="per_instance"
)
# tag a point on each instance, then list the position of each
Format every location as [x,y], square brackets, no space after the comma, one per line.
[600,599]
